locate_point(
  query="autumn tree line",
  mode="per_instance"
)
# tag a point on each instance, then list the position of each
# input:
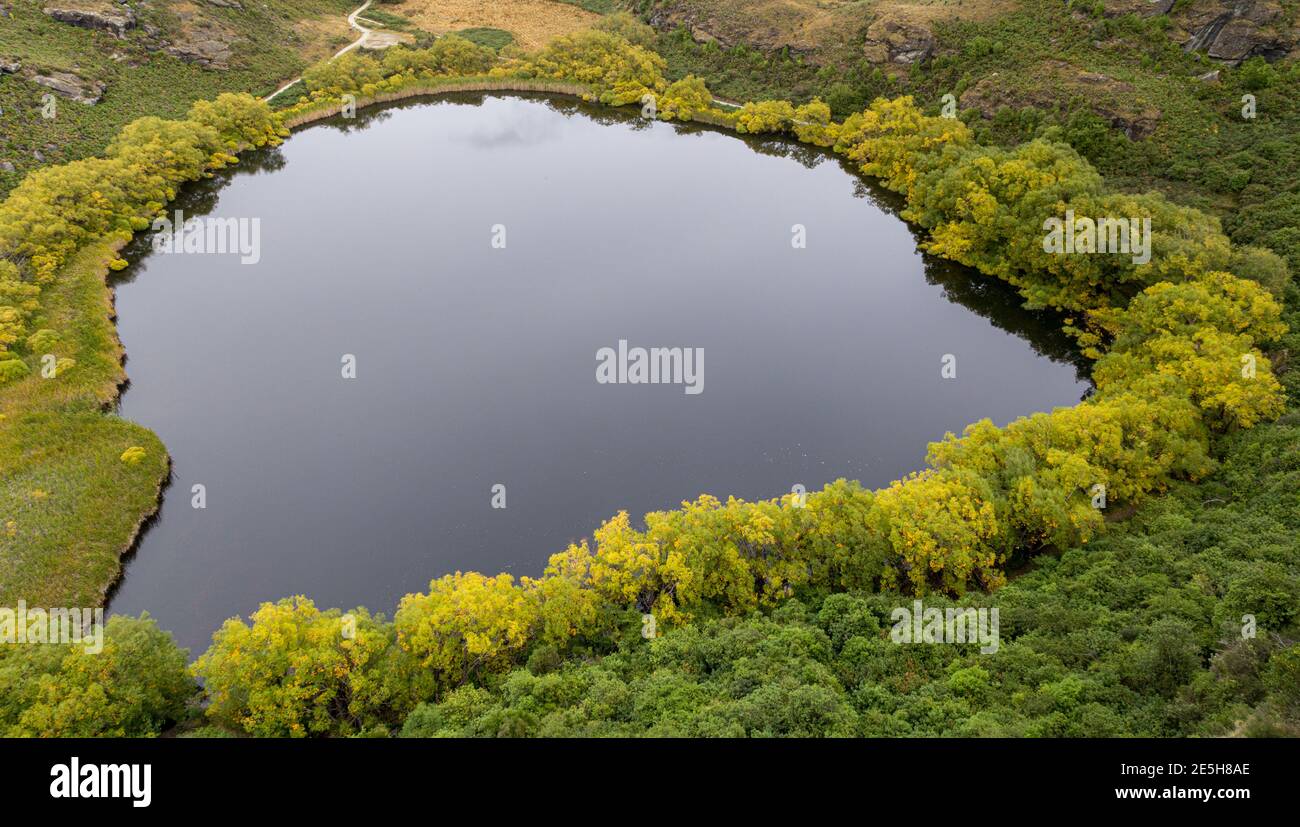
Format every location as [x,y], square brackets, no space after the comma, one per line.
[1181,345]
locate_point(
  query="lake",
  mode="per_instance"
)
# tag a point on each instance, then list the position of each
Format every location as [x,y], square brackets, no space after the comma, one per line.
[467,260]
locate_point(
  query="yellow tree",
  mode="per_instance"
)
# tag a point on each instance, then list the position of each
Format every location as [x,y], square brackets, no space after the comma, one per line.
[465,624]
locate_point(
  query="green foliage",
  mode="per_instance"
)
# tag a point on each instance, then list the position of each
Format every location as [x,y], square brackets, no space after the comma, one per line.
[142,79]
[629,28]
[1115,639]
[684,99]
[133,688]
[1256,74]
[619,71]
[466,624]
[296,671]
[494,39]
[346,73]
[1169,335]
[450,55]
[596,6]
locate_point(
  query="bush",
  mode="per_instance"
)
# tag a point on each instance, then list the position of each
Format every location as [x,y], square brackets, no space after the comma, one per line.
[134,688]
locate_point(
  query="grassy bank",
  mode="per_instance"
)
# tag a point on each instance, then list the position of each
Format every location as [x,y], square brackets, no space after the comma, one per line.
[76,482]
[71,506]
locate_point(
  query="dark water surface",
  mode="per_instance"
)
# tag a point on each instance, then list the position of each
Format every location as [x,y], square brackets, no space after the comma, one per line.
[477,366]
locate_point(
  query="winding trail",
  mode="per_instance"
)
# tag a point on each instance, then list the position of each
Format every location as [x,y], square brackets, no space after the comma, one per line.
[352,22]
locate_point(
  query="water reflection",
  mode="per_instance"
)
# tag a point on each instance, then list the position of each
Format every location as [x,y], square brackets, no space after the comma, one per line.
[476,364]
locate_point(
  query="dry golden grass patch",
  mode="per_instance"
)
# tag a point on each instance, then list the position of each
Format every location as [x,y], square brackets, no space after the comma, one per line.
[318,38]
[939,10]
[532,22]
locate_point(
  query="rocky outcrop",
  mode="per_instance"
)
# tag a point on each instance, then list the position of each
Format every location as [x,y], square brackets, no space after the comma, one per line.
[212,52]
[1239,39]
[224,4]
[9,65]
[198,39]
[72,86]
[1227,30]
[1113,100]
[108,17]
[898,42]
[1235,31]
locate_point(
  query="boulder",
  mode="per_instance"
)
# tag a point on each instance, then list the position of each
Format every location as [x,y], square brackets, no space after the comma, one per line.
[1227,30]
[1234,30]
[898,42]
[72,86]
[107,17]
[199,39]
[211,52]
[1239,39]
[9,65]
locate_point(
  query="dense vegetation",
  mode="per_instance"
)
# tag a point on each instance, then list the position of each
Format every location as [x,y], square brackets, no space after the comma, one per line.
[270,41]
[1109,630]
[1201,150]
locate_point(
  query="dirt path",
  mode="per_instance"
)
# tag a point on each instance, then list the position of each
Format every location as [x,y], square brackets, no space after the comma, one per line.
[352,21]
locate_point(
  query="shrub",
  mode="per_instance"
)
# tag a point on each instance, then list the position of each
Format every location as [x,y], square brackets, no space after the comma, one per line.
[133,688]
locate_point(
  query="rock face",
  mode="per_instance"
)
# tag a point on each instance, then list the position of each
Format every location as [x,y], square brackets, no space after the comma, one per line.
[899,42]
[1113,100]
[72,86]
[107,17]
[1227,30]
[199,39]
[212,52]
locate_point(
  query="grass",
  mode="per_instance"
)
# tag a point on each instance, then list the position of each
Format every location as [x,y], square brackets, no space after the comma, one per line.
[597,6]
[269,48]
[532,23]
[69,505]
[386,20]
[487,36]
